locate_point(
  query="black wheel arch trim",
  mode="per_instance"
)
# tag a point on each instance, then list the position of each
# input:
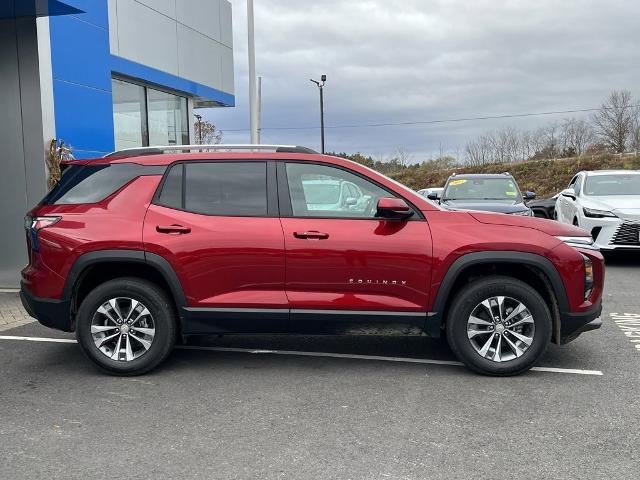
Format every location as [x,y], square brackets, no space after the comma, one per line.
[434,320]
[133,256]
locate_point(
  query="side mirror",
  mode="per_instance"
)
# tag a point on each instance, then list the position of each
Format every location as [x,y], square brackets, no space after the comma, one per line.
[529,196]
[350,201]
[569,192]
[393,209]
[433,196]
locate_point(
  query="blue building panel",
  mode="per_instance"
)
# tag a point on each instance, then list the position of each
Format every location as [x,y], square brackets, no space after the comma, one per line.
[84,118]
[80,63]
[95,12]
[80,52]
[167,80]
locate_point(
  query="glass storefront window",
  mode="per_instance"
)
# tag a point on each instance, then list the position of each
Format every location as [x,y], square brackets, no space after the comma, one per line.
[129,114]
[145,116]
[167,118]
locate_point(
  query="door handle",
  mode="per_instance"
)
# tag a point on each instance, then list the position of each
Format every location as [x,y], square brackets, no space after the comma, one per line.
[173,229]
[311,234]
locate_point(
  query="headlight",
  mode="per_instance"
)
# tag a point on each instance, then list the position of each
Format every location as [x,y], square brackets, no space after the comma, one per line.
[593,213]
[588,276]
[579,242]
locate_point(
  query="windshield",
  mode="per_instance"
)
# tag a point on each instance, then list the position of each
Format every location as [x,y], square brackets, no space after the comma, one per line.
[321,193]
[482,189]
[616,184]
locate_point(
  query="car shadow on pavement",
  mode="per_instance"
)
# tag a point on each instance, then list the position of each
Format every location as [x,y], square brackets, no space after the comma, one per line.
[209,351]
[622,258]
[388,346]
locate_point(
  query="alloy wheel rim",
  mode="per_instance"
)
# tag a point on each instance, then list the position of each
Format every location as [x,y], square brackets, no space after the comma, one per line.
[500,329]
[123,329]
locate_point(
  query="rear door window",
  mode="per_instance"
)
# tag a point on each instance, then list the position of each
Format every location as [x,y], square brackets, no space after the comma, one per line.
[170,194]
[217,188]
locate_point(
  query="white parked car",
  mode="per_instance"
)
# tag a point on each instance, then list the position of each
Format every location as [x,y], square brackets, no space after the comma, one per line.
[605,203]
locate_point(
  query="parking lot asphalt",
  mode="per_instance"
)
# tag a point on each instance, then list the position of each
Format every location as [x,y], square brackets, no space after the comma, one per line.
[210,413]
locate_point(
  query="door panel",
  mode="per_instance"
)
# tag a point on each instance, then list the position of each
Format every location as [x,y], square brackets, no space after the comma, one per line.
[345,268]
[361,266]
[223,263]
[214,223]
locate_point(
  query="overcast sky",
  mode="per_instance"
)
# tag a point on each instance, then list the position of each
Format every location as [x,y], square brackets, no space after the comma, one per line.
[421,60]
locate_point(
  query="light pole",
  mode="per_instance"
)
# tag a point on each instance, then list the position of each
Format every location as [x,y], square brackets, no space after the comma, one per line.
[199,118]
[320,84]
[253,101]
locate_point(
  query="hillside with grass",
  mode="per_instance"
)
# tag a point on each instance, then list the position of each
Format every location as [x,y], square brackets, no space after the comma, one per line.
[545,177]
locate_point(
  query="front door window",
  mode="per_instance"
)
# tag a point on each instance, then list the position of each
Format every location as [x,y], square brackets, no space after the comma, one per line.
[328,192]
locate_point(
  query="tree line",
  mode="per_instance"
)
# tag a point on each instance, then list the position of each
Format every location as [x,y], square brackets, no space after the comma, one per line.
[613,128]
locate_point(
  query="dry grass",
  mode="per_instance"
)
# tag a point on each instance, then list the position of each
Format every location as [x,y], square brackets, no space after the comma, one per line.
[545,177]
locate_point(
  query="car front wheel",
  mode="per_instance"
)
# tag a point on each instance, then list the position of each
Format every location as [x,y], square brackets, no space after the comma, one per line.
[126,326]
[499,326]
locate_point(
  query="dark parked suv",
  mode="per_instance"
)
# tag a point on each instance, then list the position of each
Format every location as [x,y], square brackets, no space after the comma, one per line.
[485,192]
[143,248]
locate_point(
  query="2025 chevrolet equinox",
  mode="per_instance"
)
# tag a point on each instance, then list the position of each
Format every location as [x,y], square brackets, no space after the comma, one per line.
[145,247]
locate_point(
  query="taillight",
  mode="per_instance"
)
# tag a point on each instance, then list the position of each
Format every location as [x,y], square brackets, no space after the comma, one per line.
[34,224]
[38,223]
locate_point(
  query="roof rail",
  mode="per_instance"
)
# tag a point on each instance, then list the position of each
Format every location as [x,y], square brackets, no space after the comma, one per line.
[156,150]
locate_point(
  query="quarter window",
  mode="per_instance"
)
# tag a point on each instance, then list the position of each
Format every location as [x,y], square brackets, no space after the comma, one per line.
[323,191]
[93,183]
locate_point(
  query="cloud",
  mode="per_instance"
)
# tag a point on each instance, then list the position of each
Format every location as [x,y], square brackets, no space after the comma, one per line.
[395,61]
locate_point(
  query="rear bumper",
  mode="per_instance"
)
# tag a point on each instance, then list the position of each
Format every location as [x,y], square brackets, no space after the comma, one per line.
[573,324]
[49,312]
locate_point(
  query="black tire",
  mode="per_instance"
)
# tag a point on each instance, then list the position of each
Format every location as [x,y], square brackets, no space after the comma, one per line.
[159,306]
[469,297]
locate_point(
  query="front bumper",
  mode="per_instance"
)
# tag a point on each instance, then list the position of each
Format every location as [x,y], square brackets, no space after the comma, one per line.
[613,233]
[573,324]
[49,312]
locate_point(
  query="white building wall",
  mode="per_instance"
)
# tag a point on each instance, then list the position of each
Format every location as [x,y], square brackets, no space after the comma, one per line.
[188,38]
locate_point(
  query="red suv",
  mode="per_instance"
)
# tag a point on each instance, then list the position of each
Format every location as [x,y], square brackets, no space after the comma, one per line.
[138,249]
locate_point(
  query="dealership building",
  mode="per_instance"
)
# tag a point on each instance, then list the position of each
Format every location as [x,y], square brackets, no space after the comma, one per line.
[100,75]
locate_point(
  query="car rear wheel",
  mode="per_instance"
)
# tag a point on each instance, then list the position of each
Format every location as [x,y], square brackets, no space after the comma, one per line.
[499,326]
[126,326]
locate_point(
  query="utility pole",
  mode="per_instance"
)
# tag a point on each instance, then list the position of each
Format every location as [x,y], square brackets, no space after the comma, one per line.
[320,84]
[199,118]
[259,110]
[253,104]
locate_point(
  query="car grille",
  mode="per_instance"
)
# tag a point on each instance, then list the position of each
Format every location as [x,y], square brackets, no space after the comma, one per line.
[628,233]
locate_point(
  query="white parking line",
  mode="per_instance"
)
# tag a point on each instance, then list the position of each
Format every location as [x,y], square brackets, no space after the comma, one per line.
[38,339]
[629,323]
[427,361]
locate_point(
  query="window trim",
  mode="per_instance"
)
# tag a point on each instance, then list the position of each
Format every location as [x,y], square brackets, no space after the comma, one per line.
[284,197]
[272,204]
